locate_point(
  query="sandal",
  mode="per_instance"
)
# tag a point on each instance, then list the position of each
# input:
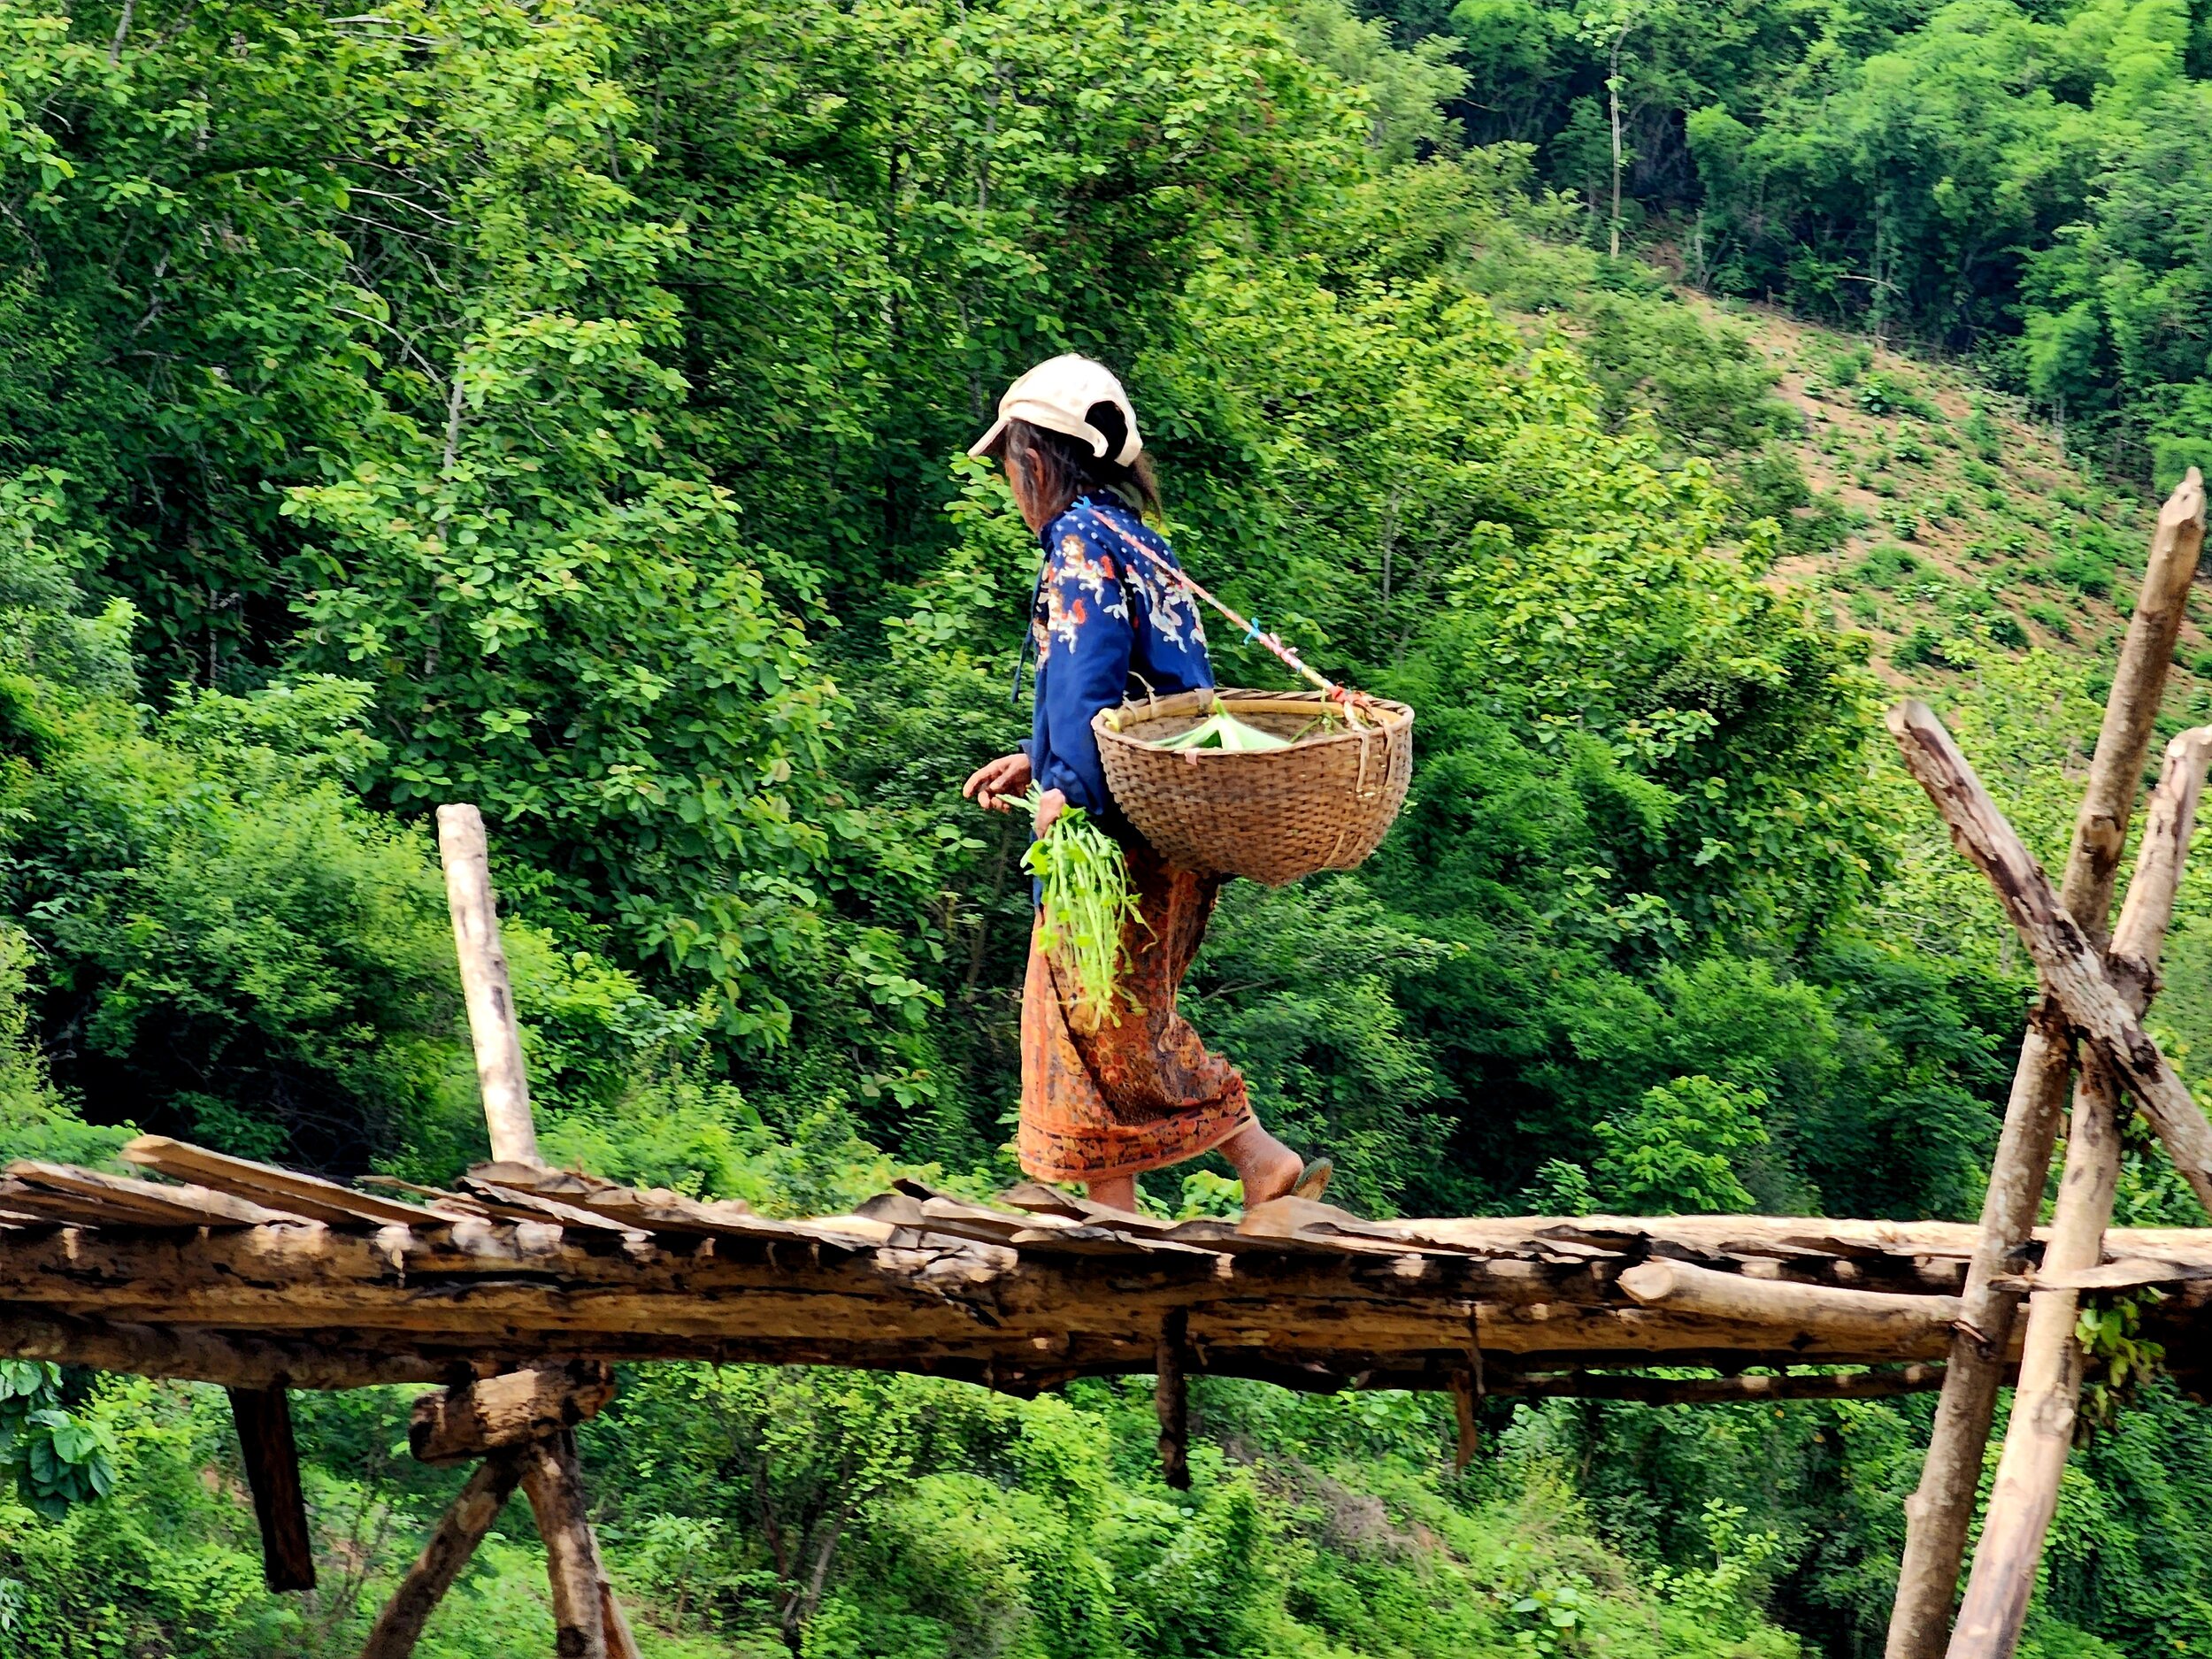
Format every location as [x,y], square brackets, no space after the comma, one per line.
[1313,1180]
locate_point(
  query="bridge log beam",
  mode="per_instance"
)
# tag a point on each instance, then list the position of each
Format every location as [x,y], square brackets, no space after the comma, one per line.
[455,1424]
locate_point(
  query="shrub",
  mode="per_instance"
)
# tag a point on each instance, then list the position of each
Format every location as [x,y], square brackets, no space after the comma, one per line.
[2084,570]
[1923,646]
[1672,1153]
[1887,566]
[1883,394]
[1982,433]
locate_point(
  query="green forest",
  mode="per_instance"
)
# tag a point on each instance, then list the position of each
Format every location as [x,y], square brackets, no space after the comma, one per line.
[562,406]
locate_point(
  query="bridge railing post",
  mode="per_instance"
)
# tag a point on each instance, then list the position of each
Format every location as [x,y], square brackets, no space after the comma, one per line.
[521,1424]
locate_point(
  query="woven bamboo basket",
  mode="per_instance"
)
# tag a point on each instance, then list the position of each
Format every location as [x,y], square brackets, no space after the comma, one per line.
[1274,815]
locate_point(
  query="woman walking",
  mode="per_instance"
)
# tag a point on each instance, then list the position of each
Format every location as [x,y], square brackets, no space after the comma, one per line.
[1102,1101]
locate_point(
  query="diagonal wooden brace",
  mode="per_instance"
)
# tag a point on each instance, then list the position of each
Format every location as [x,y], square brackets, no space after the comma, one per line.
[2072,968]
[460,1530]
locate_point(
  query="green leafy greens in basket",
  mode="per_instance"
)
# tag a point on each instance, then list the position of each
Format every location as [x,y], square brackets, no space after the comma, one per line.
[1086,902]
[1223,730]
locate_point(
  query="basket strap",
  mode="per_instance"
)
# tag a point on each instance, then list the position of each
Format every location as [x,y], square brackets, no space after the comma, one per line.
[1351,702]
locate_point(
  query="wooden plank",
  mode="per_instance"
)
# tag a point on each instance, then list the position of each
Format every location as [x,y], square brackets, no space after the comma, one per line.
[555,1487]
[510,1205]
[657,1209]
[69,1209]
[453,1426]
[460,1530]
[186,1205]
[490,1000]
[287,1190]
[263,1419]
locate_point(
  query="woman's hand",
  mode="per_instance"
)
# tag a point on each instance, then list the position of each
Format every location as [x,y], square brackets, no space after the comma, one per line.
[1050,806]
[997,787]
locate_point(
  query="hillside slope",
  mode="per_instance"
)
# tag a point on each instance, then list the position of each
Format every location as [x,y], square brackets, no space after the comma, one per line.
[1969,525]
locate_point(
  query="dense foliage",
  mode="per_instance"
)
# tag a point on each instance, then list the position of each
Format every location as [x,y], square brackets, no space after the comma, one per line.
[559,406]
[2021,181]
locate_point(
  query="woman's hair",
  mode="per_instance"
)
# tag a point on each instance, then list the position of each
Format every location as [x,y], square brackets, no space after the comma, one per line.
[1054,470]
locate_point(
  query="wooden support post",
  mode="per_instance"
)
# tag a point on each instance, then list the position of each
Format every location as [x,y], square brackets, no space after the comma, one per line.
[613,1626]
[1172,1397]
[263,1418]
[491,1001]
[2072,968]
[1464,1409]
[460,1530]
[556,1491]
[1468,1387]
[1941,1511]
[2040,1432]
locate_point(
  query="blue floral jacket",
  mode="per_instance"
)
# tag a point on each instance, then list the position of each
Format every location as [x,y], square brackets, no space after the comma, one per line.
[1109,622]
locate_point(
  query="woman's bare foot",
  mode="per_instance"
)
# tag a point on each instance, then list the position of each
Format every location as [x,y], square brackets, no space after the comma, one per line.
[1117,1192]
[1267,1167]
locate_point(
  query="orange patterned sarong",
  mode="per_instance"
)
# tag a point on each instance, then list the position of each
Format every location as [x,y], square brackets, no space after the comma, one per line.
[1141,1095]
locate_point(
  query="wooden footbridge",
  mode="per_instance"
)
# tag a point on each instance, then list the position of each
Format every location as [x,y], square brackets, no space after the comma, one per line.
[516,1291]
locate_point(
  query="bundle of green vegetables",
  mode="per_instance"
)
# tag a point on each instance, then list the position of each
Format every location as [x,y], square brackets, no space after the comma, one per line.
[1087,902]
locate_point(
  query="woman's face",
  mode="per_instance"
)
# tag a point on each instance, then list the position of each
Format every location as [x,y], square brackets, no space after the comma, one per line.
[1023,482]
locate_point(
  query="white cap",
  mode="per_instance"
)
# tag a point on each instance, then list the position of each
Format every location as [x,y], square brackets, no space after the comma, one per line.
[1057,395]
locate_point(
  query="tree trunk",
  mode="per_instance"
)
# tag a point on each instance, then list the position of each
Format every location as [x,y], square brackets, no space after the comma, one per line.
[491,998]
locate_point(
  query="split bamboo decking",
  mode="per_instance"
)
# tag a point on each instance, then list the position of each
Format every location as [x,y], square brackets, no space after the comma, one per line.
[517,1291]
